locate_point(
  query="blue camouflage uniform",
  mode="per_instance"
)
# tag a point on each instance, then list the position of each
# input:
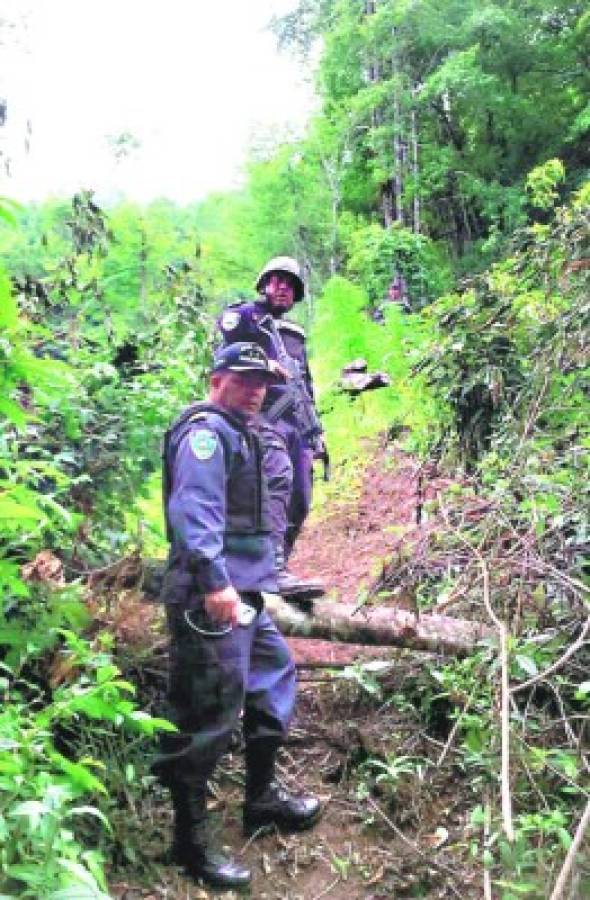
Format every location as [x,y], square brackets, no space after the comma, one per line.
[218,519]
[252,321]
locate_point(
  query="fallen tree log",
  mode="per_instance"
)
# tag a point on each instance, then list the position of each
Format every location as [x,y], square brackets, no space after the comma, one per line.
[376,626]
[382,626]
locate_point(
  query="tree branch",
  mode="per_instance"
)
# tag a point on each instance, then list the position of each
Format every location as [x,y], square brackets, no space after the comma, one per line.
[563,877]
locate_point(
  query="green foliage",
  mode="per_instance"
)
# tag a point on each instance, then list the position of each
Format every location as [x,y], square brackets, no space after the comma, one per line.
[542,835]
[509,346]
[343,331]
[448,104]
[508,357]
[365,676]
[541,183]
[376,254]
[46,798]
[84,402]
[122,346]
[245,229]
[388,773]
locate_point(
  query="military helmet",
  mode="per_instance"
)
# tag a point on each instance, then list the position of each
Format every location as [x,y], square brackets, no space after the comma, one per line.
[283,264]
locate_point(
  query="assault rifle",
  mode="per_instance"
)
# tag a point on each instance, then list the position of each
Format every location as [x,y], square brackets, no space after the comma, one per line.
[295,398]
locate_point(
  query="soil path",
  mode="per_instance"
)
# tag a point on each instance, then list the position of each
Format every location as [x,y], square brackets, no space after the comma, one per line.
[349,548]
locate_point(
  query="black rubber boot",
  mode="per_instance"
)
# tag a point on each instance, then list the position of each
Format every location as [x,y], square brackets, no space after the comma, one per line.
[292,587]
[269,805]
[193,846]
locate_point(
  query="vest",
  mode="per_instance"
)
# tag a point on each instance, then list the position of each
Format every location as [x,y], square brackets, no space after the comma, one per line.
[247,509]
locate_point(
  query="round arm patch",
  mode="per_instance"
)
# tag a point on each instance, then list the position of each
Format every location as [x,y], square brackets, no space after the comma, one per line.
[230,320]
[203,443]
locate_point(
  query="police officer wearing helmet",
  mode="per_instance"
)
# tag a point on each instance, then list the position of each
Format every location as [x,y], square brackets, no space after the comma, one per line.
[288,410]
[227,655]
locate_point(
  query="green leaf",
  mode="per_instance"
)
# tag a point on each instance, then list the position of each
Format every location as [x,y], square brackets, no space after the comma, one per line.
[13,412]
[78,774]
[521,888]
[474,740]
[33,810]
[11,510]
[488,859]
[527,664]
[106,673]
[90,811]
[8,306]
[8,210]
[77,891]
[82,886]
[477,816]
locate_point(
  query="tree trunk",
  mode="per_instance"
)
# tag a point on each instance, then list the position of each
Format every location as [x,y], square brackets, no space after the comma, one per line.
[378,626]
[398,149]
[415,172]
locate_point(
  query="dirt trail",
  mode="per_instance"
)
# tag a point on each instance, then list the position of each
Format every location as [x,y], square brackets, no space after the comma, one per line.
[404,836]
[349,548]
[346,547]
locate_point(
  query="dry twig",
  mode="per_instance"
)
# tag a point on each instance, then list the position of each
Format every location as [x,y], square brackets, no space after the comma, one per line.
[563,877]
[541,676]
[411,845]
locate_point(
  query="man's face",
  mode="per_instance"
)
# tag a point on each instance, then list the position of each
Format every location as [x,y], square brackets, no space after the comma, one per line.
[239,392]
[279,290]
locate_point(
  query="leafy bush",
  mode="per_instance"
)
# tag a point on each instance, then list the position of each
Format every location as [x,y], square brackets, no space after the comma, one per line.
[46,796]
[376,254]
[343,331]
[508,357]
[79,434]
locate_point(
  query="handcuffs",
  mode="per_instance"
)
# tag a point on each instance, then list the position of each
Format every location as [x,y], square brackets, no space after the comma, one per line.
[246,615]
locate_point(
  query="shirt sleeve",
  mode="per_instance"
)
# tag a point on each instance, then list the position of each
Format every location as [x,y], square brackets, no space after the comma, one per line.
[197,507]
[246,323]
[236,324]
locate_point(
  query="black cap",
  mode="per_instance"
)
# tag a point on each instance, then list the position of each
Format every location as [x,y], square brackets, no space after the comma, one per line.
[245,357]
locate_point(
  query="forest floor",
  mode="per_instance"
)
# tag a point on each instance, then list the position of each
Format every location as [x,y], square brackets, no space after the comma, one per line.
[404,834]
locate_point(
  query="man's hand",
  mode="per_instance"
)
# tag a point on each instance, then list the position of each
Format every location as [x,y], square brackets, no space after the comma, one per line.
[222,606]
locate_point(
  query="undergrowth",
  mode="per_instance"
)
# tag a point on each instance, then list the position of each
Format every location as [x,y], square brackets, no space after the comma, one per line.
[509,359]
[343,332]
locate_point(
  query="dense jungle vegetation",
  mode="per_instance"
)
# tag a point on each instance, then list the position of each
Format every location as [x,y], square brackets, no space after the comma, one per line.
[450,147]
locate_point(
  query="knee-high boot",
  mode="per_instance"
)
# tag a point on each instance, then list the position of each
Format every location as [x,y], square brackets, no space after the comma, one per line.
[193,845]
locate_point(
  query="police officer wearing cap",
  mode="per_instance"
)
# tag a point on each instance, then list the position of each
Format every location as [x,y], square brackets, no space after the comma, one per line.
[227,655]
[292,432]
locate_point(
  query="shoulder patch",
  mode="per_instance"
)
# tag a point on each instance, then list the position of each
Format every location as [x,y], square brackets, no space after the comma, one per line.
[230,319]
[203,443]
